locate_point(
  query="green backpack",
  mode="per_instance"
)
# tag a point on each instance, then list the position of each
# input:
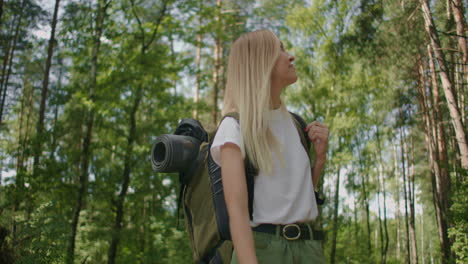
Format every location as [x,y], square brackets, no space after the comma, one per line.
[202,198]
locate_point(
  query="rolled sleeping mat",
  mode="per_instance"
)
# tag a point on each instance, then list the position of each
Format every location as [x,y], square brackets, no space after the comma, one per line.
[174,153]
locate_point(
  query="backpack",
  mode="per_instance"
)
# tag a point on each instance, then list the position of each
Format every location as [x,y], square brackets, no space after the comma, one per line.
[201,192]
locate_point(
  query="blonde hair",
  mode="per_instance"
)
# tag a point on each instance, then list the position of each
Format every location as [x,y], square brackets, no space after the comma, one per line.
[248,92]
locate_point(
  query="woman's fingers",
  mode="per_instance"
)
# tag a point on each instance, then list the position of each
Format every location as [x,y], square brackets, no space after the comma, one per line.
[314,135]
[315,124]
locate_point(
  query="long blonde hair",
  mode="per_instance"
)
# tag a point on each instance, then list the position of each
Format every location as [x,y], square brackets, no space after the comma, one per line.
[248,92]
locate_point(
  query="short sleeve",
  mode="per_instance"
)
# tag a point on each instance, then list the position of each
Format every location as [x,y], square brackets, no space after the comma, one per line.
[228,131]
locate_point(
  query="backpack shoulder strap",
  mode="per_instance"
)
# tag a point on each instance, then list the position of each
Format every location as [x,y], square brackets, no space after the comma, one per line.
[301,125]
[250,170]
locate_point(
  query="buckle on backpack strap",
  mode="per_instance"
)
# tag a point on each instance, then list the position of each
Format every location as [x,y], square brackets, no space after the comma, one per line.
[291,232]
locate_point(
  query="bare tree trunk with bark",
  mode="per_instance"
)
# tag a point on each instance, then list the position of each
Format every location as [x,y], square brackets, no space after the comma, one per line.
[447,85]
[458,14]
[438,183]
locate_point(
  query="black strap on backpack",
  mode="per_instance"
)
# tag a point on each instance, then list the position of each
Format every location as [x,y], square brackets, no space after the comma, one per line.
[301,125]
[250,171]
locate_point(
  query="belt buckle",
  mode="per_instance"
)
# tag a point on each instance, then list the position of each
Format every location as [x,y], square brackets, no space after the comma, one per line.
[298,232]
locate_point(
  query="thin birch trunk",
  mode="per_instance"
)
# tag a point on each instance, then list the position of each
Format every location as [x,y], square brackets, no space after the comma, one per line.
[381,188]
[197,63]
[423,259]
[217,58]
[397,184]
[405,196]
[448,90]
[198,76]
[335,217]
[366,204]
[414,248]
[382,257]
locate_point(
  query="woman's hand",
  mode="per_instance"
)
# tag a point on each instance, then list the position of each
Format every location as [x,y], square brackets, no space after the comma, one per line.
[318,134]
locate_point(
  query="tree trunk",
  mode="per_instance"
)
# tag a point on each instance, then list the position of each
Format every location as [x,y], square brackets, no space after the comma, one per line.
[405,195]
[217,58]
[423,260]
[438,155]
[381,184]
[1,12]
[335,217]
[86,145]
[54,143]
[379,216]
[19,184]
[8,62]
[431,143]
[119,204]
[128,163]
[444,182]
[198,76]
[25,107]
[45,84]
[397,177]
[197,63]
[447,85]
[414,248]
[366,203]
[457,7]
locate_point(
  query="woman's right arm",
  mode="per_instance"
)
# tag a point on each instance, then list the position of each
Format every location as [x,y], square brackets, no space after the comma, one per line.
[235,194]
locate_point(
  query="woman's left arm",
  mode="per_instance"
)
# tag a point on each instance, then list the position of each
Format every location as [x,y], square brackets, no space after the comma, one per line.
[318,134]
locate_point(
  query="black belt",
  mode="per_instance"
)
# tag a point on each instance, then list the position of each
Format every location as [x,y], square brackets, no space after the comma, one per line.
[291,231]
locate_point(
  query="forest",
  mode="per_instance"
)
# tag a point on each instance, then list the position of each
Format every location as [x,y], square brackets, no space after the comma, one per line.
[87,85]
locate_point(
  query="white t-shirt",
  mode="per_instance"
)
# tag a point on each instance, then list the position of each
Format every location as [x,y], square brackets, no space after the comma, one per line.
[286,195]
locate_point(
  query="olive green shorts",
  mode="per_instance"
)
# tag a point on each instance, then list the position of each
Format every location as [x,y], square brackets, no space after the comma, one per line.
[273,249]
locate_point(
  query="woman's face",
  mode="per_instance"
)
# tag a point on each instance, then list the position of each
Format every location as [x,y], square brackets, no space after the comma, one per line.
[283,73]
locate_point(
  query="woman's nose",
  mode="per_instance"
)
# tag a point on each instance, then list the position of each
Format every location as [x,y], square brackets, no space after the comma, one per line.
[291,58]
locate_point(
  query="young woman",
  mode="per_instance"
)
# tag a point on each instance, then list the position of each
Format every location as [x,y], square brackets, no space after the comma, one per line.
[284,203]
